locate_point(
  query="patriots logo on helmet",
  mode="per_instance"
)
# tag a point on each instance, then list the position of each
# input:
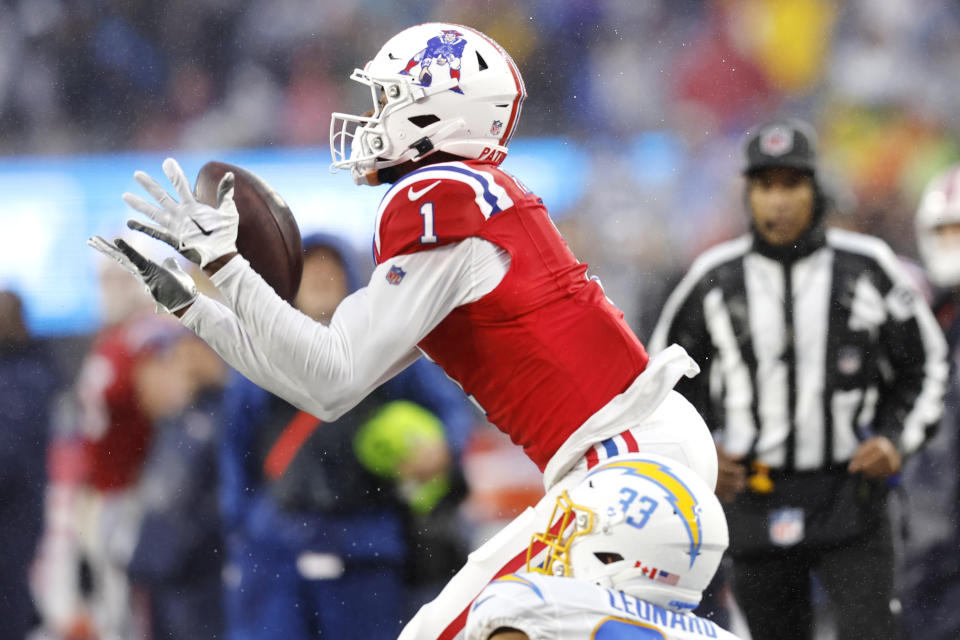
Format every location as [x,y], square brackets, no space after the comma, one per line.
[395,275]
[444,50]
[776,141]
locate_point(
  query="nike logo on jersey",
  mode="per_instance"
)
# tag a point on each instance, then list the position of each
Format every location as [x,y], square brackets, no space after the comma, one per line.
[413,194]
[202,230]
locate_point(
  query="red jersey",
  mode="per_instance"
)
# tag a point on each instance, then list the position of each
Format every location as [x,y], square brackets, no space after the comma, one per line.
[545,349]
[115,430]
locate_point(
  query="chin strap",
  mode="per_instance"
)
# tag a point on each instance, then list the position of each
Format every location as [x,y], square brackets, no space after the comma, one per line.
[428,144]
[423,146]
[604,581]
[371,178]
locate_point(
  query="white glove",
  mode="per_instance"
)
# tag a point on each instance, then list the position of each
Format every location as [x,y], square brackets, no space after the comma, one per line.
[170,286]
[198,231]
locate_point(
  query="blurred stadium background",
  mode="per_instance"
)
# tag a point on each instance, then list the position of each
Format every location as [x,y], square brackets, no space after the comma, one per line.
[631,132]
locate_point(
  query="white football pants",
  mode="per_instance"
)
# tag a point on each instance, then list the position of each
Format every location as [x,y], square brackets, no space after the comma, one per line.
[674,429]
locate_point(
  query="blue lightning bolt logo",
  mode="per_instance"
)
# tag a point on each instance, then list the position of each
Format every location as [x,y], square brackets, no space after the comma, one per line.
[514,578]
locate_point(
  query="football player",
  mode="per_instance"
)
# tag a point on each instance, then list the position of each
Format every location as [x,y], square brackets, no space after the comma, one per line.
[931,478]
[471,272]
[641,536]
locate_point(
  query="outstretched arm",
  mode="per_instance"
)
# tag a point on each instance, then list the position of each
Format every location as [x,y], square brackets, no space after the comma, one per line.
[324,370]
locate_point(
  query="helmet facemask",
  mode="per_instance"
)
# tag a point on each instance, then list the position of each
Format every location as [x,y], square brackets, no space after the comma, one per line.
[571,521]
[644,525]
[363,144]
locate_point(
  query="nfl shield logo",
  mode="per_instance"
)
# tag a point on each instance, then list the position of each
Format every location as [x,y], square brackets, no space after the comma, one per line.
[395,275]
[496,127]
[786,527]
[849,360]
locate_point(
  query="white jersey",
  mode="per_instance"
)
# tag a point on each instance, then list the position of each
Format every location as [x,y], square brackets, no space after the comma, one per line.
[552,608]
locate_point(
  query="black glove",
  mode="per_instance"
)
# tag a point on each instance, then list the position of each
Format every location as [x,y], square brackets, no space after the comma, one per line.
[170,286]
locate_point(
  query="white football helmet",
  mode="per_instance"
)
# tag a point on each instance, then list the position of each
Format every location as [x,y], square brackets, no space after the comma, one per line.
[435,87]
[639,523]
[939,206]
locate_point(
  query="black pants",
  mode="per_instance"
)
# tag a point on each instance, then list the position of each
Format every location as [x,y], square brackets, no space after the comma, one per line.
[773,589]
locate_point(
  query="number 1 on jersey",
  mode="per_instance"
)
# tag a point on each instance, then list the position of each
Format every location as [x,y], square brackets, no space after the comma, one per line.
[428,236]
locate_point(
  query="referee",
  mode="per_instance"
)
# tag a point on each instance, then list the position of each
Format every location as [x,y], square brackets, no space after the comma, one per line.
[821,368]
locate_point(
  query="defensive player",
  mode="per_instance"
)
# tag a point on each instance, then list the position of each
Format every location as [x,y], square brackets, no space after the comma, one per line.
[636,542]
[471,272]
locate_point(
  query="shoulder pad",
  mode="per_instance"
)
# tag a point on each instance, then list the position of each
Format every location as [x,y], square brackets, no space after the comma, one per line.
[436,205]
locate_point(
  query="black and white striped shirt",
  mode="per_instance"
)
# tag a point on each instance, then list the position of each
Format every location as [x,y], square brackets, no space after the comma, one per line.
[802,359]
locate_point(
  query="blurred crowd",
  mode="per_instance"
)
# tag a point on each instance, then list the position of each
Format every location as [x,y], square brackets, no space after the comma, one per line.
[661,92]
[108,75]
[150,492]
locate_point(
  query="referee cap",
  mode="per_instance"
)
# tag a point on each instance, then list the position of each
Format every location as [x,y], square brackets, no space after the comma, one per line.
[790,143]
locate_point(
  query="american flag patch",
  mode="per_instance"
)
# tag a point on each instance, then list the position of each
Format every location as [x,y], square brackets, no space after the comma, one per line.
[395,275]
[668,578]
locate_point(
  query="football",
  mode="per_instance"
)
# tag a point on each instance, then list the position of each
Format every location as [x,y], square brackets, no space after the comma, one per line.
[268,235]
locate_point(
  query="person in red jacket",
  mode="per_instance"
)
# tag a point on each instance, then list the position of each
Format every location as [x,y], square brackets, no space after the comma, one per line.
[138,371]
[471,272]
